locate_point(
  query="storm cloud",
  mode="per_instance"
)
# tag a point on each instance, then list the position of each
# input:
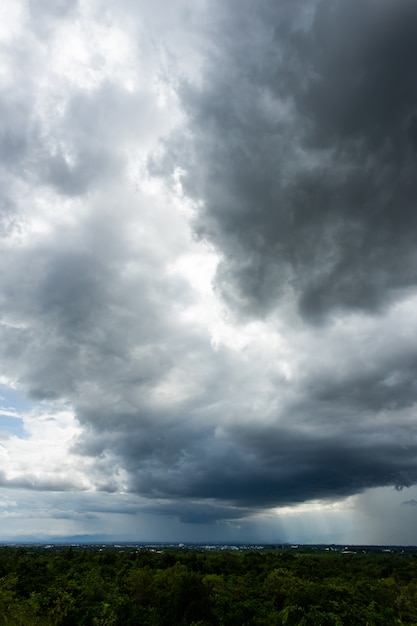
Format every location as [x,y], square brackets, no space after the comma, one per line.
[207,279]
[300,152]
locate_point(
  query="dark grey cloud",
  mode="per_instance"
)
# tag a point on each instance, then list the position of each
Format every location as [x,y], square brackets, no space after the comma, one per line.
[300,148]
[391,387]
[191,511]
[259,467]
[299,153]
[35,483]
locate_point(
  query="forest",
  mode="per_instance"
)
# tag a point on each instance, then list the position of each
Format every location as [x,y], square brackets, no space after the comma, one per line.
[185,586]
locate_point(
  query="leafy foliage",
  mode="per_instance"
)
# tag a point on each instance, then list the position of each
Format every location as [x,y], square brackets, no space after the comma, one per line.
[189,587]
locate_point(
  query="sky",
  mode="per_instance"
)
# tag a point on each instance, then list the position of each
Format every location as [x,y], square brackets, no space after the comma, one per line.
[208,270]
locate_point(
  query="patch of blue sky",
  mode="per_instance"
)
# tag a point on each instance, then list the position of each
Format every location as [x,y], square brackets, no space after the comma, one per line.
[12,400]
[12,403]
[12,425]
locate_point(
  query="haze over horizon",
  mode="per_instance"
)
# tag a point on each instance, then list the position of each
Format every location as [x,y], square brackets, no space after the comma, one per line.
[208,274]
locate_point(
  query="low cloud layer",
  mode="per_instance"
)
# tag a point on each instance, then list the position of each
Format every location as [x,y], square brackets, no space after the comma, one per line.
[207,283]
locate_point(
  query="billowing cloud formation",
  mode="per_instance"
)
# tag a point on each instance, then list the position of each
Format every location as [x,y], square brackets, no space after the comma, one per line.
[300,147]
[266,149]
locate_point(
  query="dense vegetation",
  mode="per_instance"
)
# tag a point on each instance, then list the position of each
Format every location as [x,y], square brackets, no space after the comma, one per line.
[176,587]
